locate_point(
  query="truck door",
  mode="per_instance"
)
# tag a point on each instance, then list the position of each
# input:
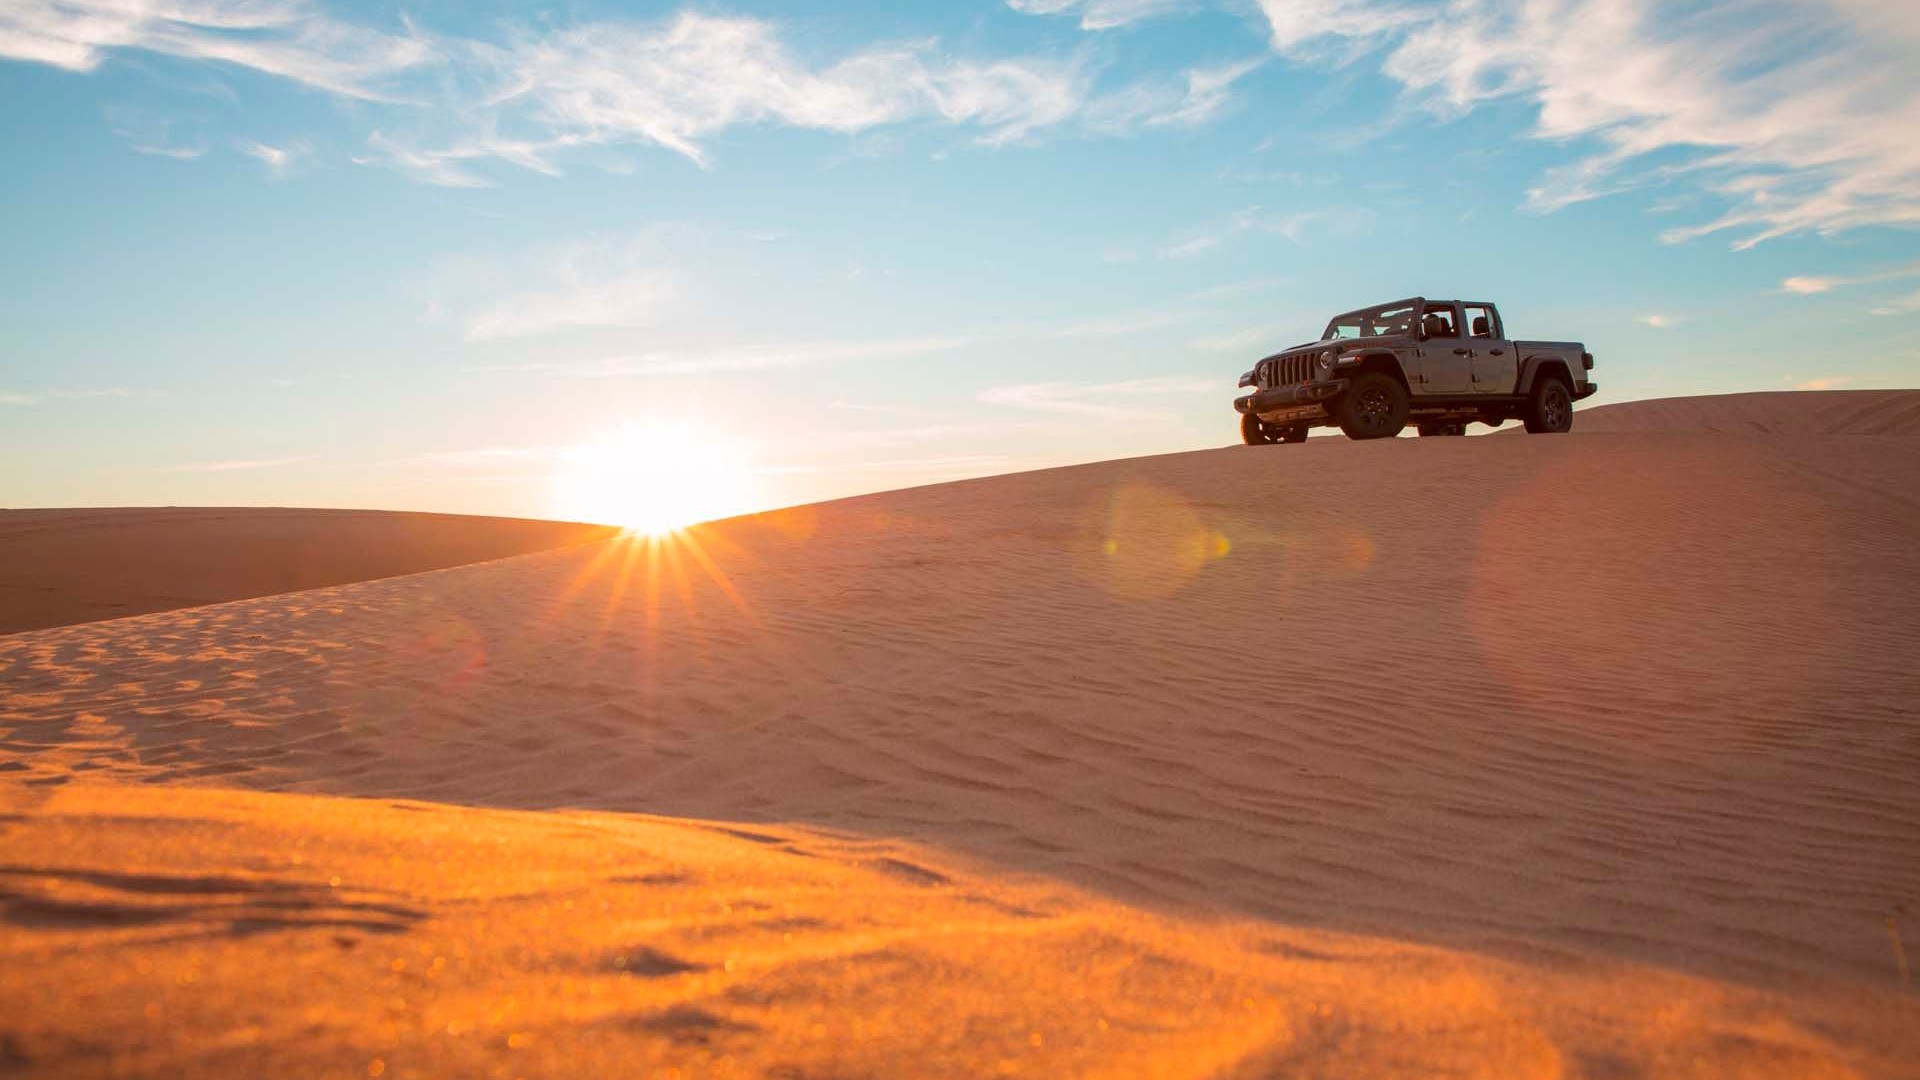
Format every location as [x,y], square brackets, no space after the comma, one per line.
[1446,359]
[1495,366]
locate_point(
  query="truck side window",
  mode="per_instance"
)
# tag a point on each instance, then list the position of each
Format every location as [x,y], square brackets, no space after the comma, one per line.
[1480,319]
[1438,322]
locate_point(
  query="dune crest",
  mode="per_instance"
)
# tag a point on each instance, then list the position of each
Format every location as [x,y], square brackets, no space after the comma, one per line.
[59,567]
[1780,412]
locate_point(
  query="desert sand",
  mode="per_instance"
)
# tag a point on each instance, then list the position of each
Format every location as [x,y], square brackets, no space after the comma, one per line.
[1581,756]
[68,566]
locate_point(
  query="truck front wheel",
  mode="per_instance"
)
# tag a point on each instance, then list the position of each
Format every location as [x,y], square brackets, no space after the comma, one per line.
[1549,407]
[1373,407]
[1252,431]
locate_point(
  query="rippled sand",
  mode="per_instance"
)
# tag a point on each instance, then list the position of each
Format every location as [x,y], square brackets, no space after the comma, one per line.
[1515,757]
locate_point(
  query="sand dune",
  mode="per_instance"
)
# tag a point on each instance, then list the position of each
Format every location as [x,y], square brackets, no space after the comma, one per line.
[68,566]
[1786,412]
[1572,756]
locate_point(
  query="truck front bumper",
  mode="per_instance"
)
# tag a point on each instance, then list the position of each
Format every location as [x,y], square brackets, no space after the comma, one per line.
[1287,397]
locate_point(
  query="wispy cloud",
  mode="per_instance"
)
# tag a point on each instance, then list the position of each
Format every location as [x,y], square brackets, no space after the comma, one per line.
[1905,305]
[1293,23]
[1138,322]
[1253,220]
[277,159]
[747,357]
[1831,382]
[1127,400]
[1198,96]
[240,465]
[632,299]
[1813,285]
[1188,248]
[1247,340]
[287,38]
[674,84]
[1795,139]
[1659,321]
[1104,14]
[488,455]
[177,153]
[41,397]
[1730,98]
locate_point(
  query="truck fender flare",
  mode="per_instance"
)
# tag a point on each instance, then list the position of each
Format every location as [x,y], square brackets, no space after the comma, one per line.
[1532,366]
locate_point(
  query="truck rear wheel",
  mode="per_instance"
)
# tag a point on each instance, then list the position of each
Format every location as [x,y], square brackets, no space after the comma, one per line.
[1373,407]
[1549,407]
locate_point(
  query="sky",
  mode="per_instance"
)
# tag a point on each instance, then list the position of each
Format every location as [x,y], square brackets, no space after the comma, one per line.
[293,252]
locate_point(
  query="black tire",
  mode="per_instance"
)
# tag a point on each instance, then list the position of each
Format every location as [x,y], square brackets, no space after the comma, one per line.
[1252,431]
[1294,435]
[1549,407]
[1374,406]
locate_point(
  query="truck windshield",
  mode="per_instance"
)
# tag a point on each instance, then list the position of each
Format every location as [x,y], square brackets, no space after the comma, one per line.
[1374,322]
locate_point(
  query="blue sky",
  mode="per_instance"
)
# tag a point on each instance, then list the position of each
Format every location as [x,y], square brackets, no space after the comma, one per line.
[346,254]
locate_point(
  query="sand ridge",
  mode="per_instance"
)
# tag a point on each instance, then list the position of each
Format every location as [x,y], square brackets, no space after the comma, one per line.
[1778,412]
[68,566]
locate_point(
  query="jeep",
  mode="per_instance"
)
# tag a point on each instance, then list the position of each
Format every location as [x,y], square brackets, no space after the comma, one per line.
[1438,364]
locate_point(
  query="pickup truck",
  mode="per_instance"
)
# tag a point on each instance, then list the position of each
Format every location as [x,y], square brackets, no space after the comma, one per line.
[1439,364]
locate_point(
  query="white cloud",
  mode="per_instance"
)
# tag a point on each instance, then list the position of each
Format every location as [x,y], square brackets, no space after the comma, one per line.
[1808,286]
[1905,305]
[1187,249]
[1658,321]
[41,397]
[488,455]
[1292,23]
[674,84]
[177,153]
[287,38]
[633,299]
[1811,286]
[1103,14]
[1111,401]
[1252,338]
[1293,226]
[1831,382]
[748,357]
[241,465]
[1123,325]
[1200,95]
[1796,139]
[277,159]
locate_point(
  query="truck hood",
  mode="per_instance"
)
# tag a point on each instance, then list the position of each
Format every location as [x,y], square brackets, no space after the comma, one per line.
[1314,348]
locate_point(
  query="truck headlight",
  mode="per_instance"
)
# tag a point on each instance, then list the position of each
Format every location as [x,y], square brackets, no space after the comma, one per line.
[1326,360]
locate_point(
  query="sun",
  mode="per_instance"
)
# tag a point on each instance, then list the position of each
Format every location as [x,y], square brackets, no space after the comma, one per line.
[654,479]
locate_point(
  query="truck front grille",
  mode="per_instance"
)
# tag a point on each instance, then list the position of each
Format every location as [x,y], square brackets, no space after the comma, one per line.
[1285,370]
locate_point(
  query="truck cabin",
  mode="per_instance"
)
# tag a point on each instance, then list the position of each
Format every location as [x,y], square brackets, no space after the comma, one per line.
[1423,318]
[1448,319]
